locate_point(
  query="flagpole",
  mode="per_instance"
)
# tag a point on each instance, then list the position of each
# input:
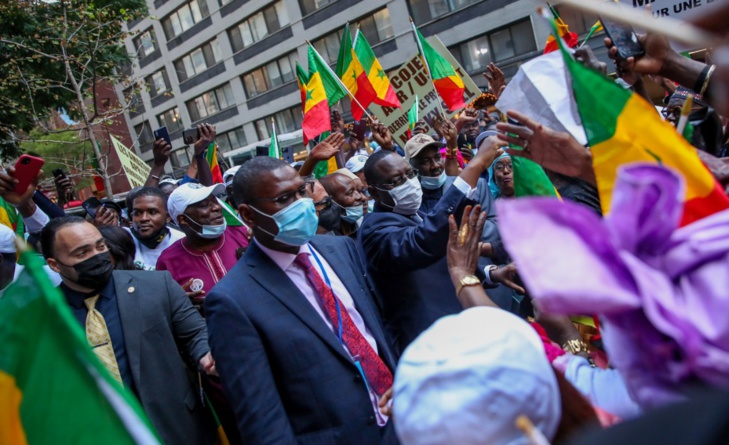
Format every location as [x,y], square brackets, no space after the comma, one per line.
[425,61]
[333,74]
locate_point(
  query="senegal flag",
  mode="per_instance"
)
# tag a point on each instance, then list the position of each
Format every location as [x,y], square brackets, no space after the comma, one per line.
[447,82]
[53,388]
[413,116]
[316,108]
[563,31]
[302,79]
[623,128]
[212,158]
[333,89]
[350,70]
[380,84]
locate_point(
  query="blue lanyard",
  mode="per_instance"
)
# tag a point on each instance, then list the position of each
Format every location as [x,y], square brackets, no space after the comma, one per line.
[336,300]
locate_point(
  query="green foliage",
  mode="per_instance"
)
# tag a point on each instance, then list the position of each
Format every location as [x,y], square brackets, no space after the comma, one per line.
[61,150]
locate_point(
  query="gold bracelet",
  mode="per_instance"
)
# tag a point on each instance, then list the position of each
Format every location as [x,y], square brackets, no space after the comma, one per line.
[576,346]
[706,81]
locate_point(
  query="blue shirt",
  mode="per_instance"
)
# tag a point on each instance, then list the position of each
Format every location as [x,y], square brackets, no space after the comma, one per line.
[107,305]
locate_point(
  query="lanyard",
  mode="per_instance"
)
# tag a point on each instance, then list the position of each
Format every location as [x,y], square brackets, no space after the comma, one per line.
[336,300]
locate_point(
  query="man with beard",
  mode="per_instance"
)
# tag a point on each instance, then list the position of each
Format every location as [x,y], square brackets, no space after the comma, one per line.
[137,323]
[149,226]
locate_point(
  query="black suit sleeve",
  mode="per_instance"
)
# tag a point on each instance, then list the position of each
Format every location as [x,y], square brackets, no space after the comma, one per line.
[246,374]
[188,326]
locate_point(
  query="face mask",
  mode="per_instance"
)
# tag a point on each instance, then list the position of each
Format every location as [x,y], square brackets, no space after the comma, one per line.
[329,218]
[433,182]
[93,272]
[154,240]
[407,197]
[352,213]
[296,223]
[209,231]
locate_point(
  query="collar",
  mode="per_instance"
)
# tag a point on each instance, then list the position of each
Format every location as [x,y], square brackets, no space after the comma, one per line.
[76,299]
[153,241]
[282,259]
[196,252]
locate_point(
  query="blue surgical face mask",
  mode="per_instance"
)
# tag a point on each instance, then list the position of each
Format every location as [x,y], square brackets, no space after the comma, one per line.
[433,182]
[352,213]
[296,223]
[209,231]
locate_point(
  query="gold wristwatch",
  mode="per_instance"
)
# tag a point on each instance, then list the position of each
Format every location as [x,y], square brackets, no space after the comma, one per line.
[576,346]
[468,280]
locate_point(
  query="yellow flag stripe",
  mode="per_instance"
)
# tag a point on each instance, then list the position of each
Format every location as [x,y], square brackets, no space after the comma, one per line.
[11,427]
[315,92]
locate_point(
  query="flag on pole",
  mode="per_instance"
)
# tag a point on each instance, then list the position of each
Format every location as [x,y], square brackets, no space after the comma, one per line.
[563,31]
[273,149]
[413,116]
[332,86]
[302,79]
[380,83]
[597,27]
[350,71]
[315,105]
[53,388]
[212,158]
[622,128]
[446,81]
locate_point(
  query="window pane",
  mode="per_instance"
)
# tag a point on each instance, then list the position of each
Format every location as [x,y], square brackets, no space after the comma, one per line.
[476,54]
[240,138]
[225,97]
[189,67]
[258,27]
[502,45]
[174,21]
[250,85]
[216,50]
[420,11]
[262,128]
[158,81]
[186,19]
[308,6]
[246,34]
[198,61]
[461,3]
[367,26]
[382,22]
[195,8]
[274,75]
[211,102]
[259,81]
[283,15]
[523,37]
[287,71]
[269,15]
[285,121]
[223,142]
[438,7]
[146,43]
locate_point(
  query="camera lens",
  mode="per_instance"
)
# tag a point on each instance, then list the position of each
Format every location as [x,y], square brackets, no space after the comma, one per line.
[26,161]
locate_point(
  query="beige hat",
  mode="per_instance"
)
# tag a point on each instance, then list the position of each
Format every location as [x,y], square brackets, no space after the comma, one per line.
[418,143]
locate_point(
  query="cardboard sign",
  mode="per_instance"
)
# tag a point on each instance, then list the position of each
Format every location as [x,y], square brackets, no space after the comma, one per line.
[135,169]
[677,9]
[412,80]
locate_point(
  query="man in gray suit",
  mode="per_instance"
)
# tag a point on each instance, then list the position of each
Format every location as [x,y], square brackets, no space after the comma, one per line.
[136,322]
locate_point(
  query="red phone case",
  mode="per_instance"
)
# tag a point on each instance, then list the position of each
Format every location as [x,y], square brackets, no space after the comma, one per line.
[26,170]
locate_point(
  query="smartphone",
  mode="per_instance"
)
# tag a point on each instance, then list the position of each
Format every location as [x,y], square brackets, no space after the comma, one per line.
[190,136]
[91,205]
[58,174]
[161,133]
[624,39]
[26,170]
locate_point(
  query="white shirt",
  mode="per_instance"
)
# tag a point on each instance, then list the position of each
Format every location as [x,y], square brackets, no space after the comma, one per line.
[145,257]
[54,276]
[285,261]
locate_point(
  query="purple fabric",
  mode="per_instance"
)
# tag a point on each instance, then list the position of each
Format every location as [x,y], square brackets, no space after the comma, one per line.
[662,292]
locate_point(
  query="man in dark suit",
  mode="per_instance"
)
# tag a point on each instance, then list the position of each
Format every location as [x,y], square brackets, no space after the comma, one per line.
[405,249]
[136,322]
[297,340]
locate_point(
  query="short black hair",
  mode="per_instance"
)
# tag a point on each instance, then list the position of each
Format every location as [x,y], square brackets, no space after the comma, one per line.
[149,191]
[48,234]
[121,246]
[129,199]
[249,176]
[329,181]
[370,168]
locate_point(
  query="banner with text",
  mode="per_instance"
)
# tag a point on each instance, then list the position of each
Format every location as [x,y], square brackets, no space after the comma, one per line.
[134,167]
[412,80]
[677,9]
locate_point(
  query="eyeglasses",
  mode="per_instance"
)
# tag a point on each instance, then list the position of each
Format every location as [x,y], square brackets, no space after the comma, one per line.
[435,160]
[400,180]
[288,197]
[674,112]
[326,202]
[501,166]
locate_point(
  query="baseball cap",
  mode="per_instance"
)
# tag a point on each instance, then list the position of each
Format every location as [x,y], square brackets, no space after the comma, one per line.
[356,163]
[468,377]
[418,143]
[229,174]
[7,239]
[190,193]
[172,181]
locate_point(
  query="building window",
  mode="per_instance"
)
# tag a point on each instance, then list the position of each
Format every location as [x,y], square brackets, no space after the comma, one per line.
[375,27]
[426,10]
[211,103]
[133,99]
[231,140]
[309,6]
[144,136]
[170,119]
[515,40]
[287,121]
[185,18]
[578,22]
[180,158]
[199,60]
[258,26]
[146,43]
[269,76]
[158,83]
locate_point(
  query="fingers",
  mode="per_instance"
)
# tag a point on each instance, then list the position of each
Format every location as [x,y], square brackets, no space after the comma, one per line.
[522,119]
[453,231]
[510,284]
[521,153]
[474,215]
[188,284]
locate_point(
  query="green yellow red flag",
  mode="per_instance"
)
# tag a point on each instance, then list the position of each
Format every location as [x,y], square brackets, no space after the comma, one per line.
[380,83]
[563,31]
[316,108]
[350,71]
[212,158]
[413,117]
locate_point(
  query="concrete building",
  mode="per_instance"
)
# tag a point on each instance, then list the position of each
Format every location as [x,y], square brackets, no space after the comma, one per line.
[231,62]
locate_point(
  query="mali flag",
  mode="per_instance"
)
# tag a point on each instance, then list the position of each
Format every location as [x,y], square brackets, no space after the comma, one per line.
[563,31]
[445,79]
[350,70]
[53,388]
[212,158]
[380,84]
[623,128]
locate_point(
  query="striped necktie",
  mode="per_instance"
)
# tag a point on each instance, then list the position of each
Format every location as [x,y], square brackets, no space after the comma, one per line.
[99,339]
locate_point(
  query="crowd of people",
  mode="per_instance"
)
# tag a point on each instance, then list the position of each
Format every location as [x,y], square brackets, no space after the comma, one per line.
[379,304]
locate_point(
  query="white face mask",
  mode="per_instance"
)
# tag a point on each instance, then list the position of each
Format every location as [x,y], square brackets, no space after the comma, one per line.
[407,196]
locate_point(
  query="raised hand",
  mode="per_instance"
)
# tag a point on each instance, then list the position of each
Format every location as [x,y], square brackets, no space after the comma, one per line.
[161,151]
[105,217]
[8,183]
[206,135]
[328,147]
[446,130]
[506,275]
[495,77]
[382,136]
[467,116]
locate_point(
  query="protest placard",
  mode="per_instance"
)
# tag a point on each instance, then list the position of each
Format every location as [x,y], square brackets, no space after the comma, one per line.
[135,169]
[678,9]
[412,80]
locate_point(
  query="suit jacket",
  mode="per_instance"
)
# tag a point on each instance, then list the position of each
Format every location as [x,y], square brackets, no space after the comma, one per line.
[406,260]
[285,374]
[159,321]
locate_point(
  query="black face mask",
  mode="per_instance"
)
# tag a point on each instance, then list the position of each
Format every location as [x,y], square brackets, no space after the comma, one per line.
[329,218]
[93,272]
[153,240]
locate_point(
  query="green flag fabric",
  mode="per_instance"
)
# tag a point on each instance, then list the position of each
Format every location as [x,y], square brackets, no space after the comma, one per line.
[333,88]
[273,149]
[53,388]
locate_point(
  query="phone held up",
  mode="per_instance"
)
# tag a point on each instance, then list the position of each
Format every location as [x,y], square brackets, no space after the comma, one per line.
[624,39]
[161,133]
[190,136]
[91,205]
[26,170]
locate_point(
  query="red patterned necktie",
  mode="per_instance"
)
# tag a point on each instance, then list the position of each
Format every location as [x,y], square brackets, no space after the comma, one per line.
[378,375]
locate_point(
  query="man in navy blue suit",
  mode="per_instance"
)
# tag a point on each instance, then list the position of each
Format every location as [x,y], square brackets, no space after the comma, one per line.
[405,249]
[298,343]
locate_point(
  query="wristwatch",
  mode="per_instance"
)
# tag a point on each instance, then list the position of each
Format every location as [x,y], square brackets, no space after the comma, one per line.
[576,346]
[468,280]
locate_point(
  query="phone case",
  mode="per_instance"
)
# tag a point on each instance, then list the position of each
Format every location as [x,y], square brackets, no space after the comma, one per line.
[26,170]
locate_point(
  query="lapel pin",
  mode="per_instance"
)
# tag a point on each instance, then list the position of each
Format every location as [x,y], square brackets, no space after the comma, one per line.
[131,289]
